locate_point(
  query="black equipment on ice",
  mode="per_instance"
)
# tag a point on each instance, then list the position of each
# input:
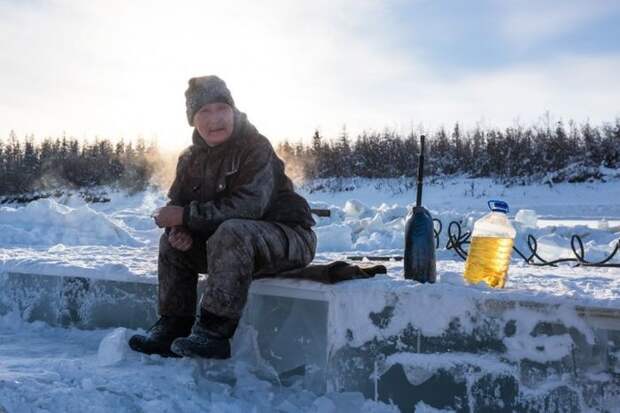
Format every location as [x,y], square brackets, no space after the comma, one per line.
[419,235]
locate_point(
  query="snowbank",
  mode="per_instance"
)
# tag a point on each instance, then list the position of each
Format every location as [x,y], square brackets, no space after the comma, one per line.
[118,240]
[46,222]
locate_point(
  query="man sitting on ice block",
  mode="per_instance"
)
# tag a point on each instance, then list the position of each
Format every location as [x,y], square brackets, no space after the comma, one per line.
[233,214]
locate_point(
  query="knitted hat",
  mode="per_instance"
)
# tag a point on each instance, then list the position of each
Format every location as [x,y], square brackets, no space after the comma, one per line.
[203,90]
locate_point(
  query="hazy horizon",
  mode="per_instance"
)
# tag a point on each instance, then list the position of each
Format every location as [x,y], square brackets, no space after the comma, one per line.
[113,69]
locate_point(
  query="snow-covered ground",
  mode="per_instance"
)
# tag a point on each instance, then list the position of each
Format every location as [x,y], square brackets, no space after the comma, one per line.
[46,369]
[51,369]
[118,240]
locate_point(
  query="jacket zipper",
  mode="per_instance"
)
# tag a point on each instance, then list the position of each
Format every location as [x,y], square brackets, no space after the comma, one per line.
[204,176]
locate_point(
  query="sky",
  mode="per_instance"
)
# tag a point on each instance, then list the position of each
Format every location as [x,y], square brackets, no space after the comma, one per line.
[107,68]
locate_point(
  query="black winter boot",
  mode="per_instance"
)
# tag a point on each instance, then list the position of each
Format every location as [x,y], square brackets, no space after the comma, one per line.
[161,335]
[210,337]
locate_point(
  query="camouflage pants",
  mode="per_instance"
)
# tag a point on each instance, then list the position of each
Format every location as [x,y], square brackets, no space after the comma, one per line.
[238,250]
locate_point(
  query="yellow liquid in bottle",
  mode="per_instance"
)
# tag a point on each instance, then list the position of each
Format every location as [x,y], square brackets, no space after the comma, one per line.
[488,260]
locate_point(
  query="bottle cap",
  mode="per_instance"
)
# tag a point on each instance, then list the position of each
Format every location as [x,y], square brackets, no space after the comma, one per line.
[496,205]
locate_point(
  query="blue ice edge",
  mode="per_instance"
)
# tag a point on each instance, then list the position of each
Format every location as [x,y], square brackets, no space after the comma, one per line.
[450,346]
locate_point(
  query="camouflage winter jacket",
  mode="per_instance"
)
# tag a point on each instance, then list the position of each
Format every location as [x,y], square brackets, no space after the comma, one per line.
[240,178]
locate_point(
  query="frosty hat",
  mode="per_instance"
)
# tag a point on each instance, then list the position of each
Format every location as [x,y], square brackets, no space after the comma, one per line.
[203,90]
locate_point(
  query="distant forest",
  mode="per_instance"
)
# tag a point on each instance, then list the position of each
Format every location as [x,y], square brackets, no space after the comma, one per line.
[27,166]
[553,153]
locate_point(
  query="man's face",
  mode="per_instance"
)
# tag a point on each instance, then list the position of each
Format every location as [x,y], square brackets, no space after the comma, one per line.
[215,122]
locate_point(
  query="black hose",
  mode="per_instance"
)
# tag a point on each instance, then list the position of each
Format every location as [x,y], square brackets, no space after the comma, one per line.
[457,239]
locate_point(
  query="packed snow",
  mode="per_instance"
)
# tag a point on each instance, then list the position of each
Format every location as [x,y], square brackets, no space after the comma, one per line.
[44,368]
[118,240]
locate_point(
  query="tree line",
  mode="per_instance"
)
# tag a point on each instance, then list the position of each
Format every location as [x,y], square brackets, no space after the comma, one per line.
[27,166]
[555,151]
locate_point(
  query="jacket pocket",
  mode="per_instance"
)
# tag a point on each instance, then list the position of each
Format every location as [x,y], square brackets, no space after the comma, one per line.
[225,180]
[192,189]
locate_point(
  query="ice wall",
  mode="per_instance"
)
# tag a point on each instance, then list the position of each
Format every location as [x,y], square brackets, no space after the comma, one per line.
[445,346]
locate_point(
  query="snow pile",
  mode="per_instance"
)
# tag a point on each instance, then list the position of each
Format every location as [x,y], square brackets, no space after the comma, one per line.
[361,228]
[134,213]
[357,226]
[376,227]
[46,222]
[119,240]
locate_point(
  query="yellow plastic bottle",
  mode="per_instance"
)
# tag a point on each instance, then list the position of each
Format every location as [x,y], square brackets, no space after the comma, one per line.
[491,247]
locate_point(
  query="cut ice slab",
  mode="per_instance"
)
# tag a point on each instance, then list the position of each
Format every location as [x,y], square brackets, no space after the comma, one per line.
[357,209]
[388,338]
[366,336]
[527,218]
[113,348]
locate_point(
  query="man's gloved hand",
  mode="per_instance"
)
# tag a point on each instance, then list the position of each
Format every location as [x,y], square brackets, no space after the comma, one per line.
[180,238]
